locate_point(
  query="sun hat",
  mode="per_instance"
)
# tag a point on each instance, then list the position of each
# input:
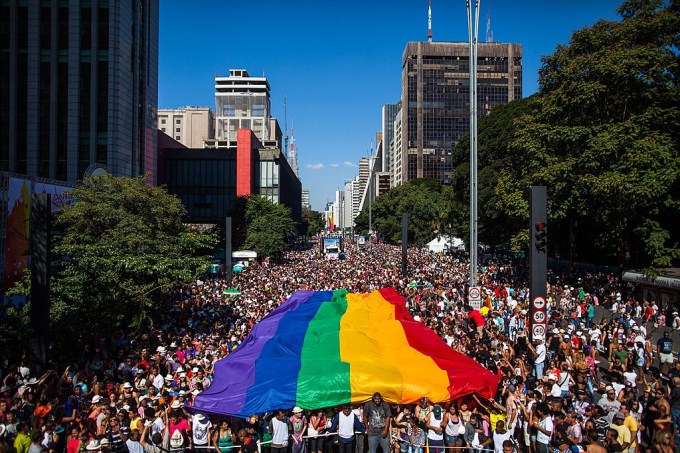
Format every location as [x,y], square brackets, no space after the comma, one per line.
[93,445]
[96,399]
[127,385]
[104,441]
[297,410]
[200,417]
[176,404]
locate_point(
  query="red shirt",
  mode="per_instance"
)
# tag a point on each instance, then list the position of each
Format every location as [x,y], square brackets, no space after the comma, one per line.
[477,317]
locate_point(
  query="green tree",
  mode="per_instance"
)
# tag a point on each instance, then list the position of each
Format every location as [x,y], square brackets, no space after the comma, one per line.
[494,158]
[312,222]
[269,227]
[122,248]
[421,199]
[602,134]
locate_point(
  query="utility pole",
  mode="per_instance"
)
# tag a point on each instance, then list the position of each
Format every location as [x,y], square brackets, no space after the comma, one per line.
[370,212]
[472,41]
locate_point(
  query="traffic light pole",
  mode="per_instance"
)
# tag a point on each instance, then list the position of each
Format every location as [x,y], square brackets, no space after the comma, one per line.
[538,262]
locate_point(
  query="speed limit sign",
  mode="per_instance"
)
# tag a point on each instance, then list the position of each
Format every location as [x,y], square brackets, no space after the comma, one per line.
[538,331]
[539,317]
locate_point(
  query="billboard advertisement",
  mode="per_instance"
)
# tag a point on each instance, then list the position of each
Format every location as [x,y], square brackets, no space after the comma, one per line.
[61,195]
[17,239]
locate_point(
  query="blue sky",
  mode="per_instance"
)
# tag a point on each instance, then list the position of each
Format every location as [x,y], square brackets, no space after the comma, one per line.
[338,62]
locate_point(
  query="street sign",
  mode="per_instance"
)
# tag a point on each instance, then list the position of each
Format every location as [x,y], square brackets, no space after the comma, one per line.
[538,331]
[475,297]
[539,317]
[539,303]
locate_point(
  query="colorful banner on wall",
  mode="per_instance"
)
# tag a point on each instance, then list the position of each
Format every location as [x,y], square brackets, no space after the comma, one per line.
[322,348]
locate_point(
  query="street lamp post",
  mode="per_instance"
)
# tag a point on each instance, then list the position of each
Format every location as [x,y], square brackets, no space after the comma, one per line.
[370,212]
[472,41]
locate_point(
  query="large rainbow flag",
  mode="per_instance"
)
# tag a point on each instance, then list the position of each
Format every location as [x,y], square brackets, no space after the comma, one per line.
[325,348]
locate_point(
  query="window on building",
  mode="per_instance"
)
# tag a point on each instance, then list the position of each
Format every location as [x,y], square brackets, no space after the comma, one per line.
[162,120]
[178,121]
[177,137]
[163,129]
[178,129]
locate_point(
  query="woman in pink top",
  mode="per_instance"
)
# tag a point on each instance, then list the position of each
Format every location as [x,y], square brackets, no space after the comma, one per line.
[178,426]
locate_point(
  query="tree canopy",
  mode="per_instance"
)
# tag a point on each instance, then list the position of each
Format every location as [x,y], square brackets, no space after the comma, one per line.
[425,202]
[602,134]
[269,227]
[121,247]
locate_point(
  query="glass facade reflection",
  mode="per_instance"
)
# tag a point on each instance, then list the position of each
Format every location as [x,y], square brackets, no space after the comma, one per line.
[436,90]
[205,181]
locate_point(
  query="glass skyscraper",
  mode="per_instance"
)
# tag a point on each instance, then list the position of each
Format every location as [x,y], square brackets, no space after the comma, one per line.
[78,87]
[435,107]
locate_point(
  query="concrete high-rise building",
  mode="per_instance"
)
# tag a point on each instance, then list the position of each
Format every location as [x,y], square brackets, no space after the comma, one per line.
[242,102]
[435,108]
[78,87]
[191,126]
[389,113]
[396,165]
[305,199]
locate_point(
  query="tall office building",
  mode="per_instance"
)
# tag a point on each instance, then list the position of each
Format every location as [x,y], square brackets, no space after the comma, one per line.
[389,113]
[435,108]
[191,126]
[78,86]
[242,102]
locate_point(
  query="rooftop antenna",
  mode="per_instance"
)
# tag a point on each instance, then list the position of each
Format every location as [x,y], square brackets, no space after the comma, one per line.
[489,31]
[285,122]
[429,20]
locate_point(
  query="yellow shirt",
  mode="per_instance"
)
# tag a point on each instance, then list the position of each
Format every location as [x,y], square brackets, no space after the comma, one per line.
[632,426]
[22,443]
[493,419]
[624,433]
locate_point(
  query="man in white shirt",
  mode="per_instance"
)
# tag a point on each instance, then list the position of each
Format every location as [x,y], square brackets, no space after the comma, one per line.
[539,356]
[200,429]
[544,426]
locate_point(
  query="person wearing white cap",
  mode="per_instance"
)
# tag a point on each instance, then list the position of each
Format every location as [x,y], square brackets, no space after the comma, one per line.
[609,403]
[200,429]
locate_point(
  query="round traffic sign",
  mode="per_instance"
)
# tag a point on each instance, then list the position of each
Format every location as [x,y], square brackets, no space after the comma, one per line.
[538,330]
[474,292]
[539,302]
[539,316]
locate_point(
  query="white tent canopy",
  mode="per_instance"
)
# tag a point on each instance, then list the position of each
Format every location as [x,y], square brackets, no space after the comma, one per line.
[442,243]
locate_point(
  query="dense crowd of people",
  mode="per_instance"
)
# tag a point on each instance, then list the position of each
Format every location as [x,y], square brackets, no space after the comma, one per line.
[598,381]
